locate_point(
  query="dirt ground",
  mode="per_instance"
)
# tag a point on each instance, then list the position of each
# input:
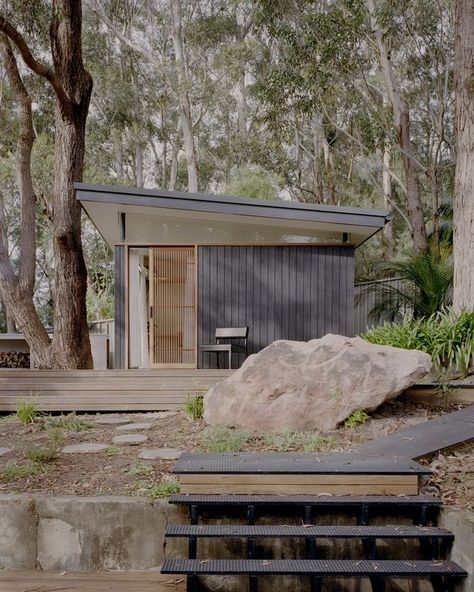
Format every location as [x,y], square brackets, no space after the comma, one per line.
[118,470]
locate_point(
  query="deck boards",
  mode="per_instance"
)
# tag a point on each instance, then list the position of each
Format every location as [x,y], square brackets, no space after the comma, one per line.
[105,390]
[118,581]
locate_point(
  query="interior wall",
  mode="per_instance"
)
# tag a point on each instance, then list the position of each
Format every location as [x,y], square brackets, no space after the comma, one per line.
[279,292]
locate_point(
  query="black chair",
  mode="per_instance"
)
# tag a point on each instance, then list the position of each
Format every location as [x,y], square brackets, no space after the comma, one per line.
[228,334]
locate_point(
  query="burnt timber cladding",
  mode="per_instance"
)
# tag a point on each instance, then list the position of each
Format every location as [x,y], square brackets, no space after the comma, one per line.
[119,304]
[280,292]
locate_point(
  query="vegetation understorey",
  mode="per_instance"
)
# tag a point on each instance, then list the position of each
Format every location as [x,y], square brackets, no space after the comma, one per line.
[37,465]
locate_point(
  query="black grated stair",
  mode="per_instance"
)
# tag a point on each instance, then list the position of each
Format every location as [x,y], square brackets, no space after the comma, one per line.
[434,542]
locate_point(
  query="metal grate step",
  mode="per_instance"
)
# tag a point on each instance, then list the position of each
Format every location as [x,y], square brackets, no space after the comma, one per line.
[315,567]
[296,463]
[307,531]
[305,500]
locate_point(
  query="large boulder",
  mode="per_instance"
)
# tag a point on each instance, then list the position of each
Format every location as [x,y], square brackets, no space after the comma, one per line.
[312,385]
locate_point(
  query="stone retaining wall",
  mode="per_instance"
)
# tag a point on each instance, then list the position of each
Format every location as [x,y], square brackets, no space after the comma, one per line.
[120,533]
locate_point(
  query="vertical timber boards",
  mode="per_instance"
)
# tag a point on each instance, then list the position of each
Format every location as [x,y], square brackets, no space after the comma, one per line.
[120,265]
[280,292]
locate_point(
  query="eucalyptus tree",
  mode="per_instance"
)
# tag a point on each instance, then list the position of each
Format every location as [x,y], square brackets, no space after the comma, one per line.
[72,86]
[464,182]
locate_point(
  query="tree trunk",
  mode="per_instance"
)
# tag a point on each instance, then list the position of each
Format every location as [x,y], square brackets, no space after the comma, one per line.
[184,103]
[387,199]
[71,347]
[17,290]
[401,116]
[464,177]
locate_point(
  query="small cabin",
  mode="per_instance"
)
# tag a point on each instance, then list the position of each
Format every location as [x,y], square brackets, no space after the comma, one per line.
[187,264]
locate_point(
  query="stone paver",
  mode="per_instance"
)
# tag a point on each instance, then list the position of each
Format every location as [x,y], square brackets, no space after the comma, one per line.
[130,439]
[132,427]
[160,453]
[84,448]
[114,421]
[4,451]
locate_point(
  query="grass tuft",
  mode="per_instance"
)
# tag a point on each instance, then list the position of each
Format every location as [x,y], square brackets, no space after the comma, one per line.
[166,487]
[69,422]
[141,469]
[288,440]
[46,453]
[194,407]
[221,438]
[27,411]
[14,470]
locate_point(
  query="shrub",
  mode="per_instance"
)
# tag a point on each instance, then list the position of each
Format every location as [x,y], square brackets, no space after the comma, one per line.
[221,438]
[27,411]
[447,336]
[357,418]
[194,407]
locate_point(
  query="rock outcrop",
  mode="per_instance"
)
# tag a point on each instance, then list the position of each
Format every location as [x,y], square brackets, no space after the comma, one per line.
[312,385]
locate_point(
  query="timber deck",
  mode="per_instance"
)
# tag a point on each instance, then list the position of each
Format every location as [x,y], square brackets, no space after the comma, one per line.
[105,390]
[118,581]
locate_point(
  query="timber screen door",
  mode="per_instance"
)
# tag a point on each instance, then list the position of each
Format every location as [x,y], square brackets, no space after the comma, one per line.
[172,307]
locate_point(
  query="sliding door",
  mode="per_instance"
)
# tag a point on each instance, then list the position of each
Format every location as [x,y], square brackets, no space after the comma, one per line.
[172,307]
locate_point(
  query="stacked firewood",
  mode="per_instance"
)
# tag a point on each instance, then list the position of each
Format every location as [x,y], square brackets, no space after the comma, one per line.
[13,359]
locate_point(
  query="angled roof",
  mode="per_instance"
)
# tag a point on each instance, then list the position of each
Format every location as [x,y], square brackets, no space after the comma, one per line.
[105,203]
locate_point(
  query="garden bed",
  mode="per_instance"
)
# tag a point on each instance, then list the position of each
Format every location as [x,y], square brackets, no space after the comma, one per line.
[35,463]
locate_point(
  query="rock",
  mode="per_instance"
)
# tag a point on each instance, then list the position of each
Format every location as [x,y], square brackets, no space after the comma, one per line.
[312,385]
[18,529]
[161,453]
[130,439]
[114,421]
[134,427]
[4,451]
[84,448]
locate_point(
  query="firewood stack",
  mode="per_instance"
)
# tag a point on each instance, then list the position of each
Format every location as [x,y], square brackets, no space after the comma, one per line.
[13,359]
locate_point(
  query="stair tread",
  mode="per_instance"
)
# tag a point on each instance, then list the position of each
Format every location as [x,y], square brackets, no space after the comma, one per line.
[306,530]
[314,500]
[339,567]
[289,463]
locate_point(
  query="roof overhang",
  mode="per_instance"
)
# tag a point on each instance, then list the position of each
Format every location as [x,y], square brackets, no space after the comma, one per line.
[149,211]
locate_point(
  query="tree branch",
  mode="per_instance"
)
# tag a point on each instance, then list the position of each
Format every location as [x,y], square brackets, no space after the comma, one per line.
[34,65]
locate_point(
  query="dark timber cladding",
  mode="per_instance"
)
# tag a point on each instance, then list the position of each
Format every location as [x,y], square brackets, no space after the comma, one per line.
[120,303]
[280,292]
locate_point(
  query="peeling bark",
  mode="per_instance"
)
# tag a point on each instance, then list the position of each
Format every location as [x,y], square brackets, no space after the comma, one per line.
[464,177]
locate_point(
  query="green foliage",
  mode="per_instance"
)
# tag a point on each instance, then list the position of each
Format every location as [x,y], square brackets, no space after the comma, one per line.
[69,422]
[27,411]
[113,450]
[46,453]
[254,182]
[288,440]
[14,470]
[357,418]
[165,488]
[141,469]
[194,407]
[447,336]
[221,438]
[425,289]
